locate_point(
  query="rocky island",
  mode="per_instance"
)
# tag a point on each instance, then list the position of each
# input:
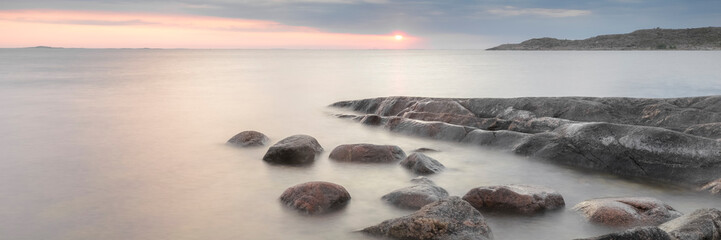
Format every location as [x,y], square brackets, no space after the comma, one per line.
[708,38]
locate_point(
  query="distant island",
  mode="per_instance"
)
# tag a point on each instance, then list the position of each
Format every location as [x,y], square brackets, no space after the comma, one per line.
[708,38]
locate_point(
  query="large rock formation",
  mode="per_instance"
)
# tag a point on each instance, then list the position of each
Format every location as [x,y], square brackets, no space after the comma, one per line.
[294,150]
[523,199]
[367,153]
[650,138]
[627,212]
[450,218]
[708,38]
[315,197]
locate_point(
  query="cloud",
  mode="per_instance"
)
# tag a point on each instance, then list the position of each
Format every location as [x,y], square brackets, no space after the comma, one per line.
[541,12]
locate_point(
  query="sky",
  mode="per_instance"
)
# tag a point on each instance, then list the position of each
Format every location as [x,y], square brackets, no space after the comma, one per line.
[333,24]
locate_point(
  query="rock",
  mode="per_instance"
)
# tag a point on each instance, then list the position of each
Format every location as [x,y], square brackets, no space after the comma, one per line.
[627,211]
[422,150]
[638,233]
[523,199]
[315,197]
[419,163]
[714,187]
[422,180]
[372,120]
[450,218]
[637,137]
[294,150]
[700,224]
[415,197]
[367,153]
[709,130]
[249,139]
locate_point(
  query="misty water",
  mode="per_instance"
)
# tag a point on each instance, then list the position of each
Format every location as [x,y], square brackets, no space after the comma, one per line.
[130,144]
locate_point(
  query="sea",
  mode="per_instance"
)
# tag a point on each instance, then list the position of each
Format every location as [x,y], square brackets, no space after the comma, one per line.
[131,143]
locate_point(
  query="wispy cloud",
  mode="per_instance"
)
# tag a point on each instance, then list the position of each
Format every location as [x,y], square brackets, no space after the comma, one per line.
[541,12]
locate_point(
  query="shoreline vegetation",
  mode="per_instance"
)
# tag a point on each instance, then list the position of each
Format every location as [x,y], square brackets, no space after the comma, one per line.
[707,38]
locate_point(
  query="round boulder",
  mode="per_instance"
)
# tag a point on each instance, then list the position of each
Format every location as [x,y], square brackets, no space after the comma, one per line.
[422,164]
[249,139]
[315,197]
[367,153]
[627,211]
[296,149]
[523,199]
[415,197]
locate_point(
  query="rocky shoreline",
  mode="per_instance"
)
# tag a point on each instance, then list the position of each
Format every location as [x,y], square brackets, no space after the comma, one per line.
[618,135]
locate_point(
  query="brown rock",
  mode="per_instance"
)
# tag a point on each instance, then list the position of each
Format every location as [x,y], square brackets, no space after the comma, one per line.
[626,212]
[294,150]
[315,197]
[422,164]
[249,139]
[367,153]
[524,199]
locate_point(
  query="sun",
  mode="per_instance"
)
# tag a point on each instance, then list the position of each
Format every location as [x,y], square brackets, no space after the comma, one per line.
[399,37]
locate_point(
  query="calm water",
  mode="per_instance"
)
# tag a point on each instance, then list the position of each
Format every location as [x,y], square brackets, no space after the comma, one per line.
[129,144]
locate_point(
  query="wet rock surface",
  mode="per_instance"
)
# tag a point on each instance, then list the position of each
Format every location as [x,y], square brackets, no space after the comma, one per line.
[315,197]
[367,153]
[669,139]
[249,139]
[450,218]
[713,187]
[700,224]
[626,212]
[417,196]
[294,150]
[639,233]
[525,199]
[422,164]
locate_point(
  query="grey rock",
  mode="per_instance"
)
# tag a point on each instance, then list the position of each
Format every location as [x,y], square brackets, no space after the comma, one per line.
[415,197]
[422,180]
[315,197]
[639,137]
[525,199]
[450,218]
[700,224]
[294,150]
[626,212]
[249,139]
[367,153]
[709,130]
[422,164]
[638,233]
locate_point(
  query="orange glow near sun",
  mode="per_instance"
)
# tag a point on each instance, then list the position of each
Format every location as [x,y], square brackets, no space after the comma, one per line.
[103,29]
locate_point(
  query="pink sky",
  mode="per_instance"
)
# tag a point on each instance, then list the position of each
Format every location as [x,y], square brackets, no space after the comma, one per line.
[99,29]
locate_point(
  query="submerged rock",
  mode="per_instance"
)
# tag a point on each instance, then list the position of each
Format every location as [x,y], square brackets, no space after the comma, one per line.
[714,187]
[639,233]
[419,163]
[523,199]
[627,211]
[367,153]
[450,218]
[294,150]
[249,139]
[415,197]
[700,224]
[315,197]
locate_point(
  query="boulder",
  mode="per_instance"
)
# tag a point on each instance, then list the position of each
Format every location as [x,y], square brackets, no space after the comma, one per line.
[450,218]
[415,197]
[294,150]
[525,199]
[367,153]
[315,197]
[714,187]
[626,211]
[249,139]
[700,224]
[638,233]
[422,164]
